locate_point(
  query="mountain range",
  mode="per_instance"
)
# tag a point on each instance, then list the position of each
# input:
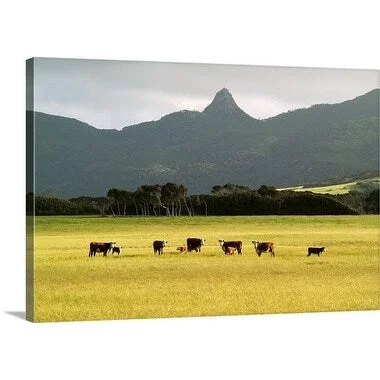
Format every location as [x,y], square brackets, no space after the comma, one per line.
[222,144]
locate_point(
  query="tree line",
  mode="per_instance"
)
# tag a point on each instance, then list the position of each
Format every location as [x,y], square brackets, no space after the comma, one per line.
[230,199]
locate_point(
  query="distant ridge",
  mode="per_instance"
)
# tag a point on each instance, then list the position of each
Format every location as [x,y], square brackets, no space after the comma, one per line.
[222,144]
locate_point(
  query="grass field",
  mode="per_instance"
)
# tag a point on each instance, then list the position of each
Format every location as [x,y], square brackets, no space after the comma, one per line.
[342,188]
[69,285]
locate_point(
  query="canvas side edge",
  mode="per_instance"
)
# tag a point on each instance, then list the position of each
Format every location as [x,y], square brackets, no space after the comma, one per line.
[30,188]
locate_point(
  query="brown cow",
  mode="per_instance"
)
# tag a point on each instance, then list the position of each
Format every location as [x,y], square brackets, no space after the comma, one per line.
[100,247]
[230,250]
[117,250]
[158,246]
[225,244]
[194,244]
[267,246]
[315,250]
[182,249]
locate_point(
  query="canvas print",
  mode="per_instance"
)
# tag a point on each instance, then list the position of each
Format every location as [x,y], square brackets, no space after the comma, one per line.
[159,190]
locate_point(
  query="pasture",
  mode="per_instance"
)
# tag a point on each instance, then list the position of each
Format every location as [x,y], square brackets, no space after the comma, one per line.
[342,188]
[69,285]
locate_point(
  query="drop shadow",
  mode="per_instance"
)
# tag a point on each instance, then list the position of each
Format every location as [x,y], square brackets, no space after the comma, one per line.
[18,314]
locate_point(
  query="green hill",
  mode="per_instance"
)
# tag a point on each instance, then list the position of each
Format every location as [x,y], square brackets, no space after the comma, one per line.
[364,186]
[220,145]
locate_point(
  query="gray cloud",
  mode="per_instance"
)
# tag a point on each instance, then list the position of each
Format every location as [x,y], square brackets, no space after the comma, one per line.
[114,94]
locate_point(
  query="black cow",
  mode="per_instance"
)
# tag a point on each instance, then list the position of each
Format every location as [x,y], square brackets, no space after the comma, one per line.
[117,250]
[158,246]
[100,247]
[315,251]
[194,244]
[235,244]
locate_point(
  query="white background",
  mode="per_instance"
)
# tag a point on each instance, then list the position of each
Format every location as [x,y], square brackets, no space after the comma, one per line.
[295,33]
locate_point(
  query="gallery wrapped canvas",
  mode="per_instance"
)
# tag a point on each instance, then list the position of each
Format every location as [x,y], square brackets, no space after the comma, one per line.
[160,189]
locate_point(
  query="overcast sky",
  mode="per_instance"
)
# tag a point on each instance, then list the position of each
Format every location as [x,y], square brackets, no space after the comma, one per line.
[115,94]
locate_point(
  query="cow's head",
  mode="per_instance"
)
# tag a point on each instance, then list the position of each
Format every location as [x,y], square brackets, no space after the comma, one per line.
[164,243]
[112,244]
[256,245]
[203,241]
[221,241]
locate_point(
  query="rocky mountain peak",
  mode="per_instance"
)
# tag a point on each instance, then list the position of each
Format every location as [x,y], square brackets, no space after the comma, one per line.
[223,103]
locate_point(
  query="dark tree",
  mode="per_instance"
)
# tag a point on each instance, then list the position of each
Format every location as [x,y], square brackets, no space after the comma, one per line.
[267,190]
[170,196]
[372,202]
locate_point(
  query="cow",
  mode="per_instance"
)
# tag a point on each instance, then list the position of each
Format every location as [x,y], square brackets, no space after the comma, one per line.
[100,247]
[194,244]
[158,246]
[117,250]
[225,244]
[315,251]
[230,250]
[182,249]
[267,246]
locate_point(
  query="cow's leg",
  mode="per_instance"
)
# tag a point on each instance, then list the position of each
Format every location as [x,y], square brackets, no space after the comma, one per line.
[259,253]
[308,254]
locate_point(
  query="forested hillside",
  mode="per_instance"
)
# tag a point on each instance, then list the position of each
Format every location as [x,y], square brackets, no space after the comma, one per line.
[222,144]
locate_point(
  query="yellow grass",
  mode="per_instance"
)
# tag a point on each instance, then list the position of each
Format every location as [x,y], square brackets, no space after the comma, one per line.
[342,188]
[71,286]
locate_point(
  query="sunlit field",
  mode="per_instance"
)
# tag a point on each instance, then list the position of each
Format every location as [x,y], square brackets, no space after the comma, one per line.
[342,188]
[69,285]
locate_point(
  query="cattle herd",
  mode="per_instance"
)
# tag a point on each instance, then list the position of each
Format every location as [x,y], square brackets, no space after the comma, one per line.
[195,244]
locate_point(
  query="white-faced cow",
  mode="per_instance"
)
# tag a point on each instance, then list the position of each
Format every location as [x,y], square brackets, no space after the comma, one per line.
[230,250]
[194,244]
[225,244]
[266,246]
[100,247]
[158,246]
[315,251]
